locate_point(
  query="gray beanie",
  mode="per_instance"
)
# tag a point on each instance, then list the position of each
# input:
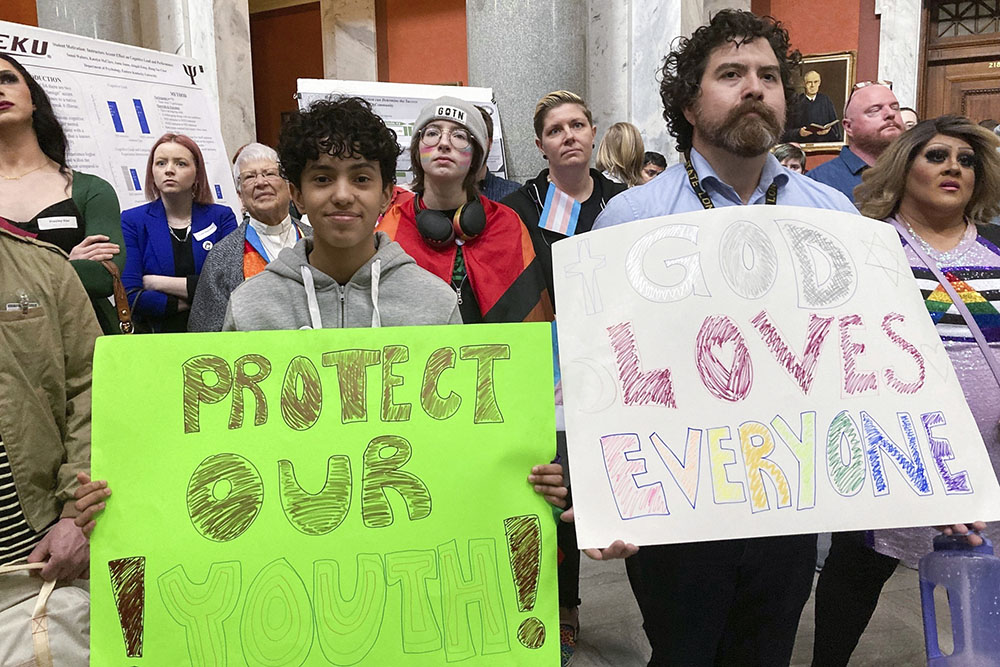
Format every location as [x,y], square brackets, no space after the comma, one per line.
[457,111]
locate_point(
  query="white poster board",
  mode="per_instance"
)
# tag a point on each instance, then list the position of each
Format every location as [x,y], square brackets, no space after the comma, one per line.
[757,370]
[114,101]
[399,104]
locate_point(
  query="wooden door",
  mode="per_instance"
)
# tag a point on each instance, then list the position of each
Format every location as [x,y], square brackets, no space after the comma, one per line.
[961,62]
[285,44]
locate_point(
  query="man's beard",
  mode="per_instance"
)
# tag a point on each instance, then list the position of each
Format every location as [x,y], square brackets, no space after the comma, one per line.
[742,133]
[874,144]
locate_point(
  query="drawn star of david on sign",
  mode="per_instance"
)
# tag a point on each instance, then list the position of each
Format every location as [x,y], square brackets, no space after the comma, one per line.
[881,256]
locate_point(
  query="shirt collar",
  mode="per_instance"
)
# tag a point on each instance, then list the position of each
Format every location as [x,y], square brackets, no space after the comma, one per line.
[854,163]
[772,172]
[271,230]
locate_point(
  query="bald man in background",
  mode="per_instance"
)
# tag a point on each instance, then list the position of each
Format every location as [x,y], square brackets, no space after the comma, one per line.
[871,122]
[853,573]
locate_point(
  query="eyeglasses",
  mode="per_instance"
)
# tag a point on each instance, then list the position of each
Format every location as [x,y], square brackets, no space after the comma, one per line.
[271,175]
[431,136]
[864,84]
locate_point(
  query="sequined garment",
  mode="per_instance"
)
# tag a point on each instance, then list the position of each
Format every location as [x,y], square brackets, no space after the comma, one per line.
[973,268]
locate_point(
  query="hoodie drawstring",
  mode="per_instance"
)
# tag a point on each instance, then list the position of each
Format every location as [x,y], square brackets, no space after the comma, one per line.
[310,287]
[376,273]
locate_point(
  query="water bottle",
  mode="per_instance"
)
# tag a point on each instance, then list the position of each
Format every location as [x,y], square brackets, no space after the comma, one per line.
[971,577]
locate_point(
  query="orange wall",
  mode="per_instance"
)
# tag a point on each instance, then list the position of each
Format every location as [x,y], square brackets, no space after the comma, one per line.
[842,25]
[422,41]
[834,28]
[19,11]
[285,45]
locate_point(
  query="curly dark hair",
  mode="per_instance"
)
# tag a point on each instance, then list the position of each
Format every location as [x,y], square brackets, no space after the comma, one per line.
[48,131]
[684,66]
[344,127]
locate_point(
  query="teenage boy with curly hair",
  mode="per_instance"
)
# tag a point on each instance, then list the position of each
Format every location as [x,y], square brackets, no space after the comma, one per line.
[340,160]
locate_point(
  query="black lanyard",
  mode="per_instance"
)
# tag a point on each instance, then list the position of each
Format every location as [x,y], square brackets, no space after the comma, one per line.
[771,197]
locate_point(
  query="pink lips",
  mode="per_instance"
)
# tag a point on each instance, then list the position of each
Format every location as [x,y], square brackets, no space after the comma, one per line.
[951,186]
[342,216]
[5,105]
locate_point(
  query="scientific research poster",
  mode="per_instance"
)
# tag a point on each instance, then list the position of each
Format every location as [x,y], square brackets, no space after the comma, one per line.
[114,101]
[399,104]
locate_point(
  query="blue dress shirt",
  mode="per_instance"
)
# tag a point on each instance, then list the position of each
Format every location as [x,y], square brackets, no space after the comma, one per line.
[842,172]
[671,192]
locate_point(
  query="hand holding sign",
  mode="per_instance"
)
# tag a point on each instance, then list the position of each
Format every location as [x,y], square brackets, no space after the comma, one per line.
[303,497]
[760,371]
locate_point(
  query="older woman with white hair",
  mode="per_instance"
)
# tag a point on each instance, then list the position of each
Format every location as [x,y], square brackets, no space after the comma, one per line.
[265,231]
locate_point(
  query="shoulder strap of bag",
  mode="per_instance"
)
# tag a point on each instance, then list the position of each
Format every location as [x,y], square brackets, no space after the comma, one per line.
[121,299]
[39,618]
[977,333]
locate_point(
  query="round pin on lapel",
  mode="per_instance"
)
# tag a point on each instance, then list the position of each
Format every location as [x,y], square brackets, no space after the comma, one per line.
[207,245]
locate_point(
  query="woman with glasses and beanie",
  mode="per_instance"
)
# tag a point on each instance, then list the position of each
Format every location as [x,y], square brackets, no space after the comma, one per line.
[477,246]
[937,184]
[168,239]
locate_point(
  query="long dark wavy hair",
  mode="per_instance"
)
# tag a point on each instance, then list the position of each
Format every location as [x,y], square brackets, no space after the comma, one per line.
[680,82]
[51,138]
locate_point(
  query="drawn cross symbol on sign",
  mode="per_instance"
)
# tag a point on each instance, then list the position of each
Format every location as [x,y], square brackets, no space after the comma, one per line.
[587,266]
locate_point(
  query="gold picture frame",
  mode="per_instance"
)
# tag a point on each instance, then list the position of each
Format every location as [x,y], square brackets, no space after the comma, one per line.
[837,77]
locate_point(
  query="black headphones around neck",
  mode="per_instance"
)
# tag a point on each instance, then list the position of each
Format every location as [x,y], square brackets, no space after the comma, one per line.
[438,230]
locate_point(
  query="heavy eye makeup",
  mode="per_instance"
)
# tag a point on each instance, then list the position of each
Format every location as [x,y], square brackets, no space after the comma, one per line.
[939,155]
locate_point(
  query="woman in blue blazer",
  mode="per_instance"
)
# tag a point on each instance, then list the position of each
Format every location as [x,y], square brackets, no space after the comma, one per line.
[167,239]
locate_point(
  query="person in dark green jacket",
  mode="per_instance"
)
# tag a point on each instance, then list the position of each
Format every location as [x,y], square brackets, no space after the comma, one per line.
[41,197]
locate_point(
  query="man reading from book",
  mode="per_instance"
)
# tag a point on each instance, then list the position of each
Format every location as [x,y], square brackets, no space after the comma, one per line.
[813,118]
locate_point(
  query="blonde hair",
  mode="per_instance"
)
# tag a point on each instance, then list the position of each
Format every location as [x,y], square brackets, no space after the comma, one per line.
[557,99]
[621,153]
[882,187]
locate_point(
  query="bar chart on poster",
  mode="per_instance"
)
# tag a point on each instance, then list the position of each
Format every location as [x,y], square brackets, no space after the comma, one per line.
[114,101]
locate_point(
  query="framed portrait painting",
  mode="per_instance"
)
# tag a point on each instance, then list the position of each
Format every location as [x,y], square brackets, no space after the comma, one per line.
[815,116]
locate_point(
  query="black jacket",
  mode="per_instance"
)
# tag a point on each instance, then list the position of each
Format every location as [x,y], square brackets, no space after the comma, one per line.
[529,199]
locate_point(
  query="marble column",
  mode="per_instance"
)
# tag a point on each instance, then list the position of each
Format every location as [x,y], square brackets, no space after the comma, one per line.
[608,62]
[524,49]
[349,39]
[214,32]
[899,47]
[626,43]
[220,36]
[100,19]
[655,25]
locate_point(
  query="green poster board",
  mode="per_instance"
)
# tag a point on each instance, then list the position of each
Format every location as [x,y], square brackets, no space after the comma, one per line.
[332,497]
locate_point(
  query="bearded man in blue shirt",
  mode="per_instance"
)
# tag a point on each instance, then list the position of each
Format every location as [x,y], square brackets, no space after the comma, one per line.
[725,92]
